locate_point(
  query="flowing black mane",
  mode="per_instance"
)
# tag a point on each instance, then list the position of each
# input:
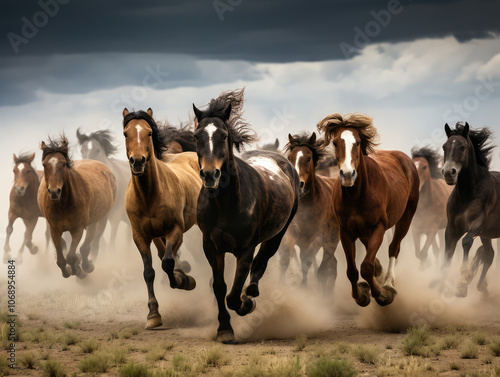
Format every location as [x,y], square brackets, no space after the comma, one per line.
[433,159]
[160,143]
[480,139]
[57,146]
[183,135]
[240,130]
[103,137]
[24,158]
[303,140]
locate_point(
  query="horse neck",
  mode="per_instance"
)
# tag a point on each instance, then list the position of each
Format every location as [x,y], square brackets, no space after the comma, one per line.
[147,184]
[470,175]
[311,188]
[232,192]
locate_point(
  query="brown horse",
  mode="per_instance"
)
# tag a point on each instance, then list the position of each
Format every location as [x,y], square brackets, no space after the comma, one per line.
[23,204]
[430,219]
[161,201]
[374,193]
[315,225]
[75,196]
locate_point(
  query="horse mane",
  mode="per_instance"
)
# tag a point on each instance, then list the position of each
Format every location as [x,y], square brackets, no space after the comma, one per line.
[58,146]
[23,158]
[362,123]
[183,135]
[103,137]
[240,131]
[318,148]
[481,141]
[159,136]
[328,162]
[433,159]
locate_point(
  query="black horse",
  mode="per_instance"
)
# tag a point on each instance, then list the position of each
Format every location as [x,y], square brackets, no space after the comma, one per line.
[474,205]
[244,202]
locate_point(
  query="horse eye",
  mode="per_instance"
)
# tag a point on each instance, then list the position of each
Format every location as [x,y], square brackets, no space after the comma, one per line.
[124,134]
[357,143]
[464,148]
[335,144]
[425,168]
[150,134]
[224,137]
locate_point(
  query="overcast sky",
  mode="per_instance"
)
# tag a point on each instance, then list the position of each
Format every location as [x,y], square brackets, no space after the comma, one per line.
[412,65]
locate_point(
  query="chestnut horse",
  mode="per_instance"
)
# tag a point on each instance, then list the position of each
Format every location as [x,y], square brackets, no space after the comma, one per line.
[23,204]
[315,224]
[474,205]
[75,196]
[430,219]
[160,200]
[376,191]
[99,146]
[245,201]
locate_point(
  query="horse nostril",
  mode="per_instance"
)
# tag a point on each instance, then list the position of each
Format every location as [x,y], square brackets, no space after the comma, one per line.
[217,174]
[58,190]
[453,171]
[131,160]
[202,174]
[143,159]
[302,184]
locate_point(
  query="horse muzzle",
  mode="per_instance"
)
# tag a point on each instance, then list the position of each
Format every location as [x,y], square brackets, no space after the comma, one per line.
[20,190]
[450,174]
[55,194]
[137,165]
[347,179]
[211,179]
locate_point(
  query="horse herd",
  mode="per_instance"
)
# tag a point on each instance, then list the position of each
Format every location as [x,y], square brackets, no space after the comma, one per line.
[175,179]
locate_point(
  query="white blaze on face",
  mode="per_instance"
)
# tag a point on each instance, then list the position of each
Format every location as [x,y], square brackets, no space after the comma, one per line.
[210,129]
[297,159]
[349,140]
[417,164]
[20,167]
[89,145]
[53,162]
[139,129]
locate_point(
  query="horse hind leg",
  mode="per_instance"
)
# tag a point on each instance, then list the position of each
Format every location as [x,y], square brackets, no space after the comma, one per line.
[486,257]
[9,230]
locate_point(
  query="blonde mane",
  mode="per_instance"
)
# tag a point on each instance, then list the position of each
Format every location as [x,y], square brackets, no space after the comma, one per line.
[362,123]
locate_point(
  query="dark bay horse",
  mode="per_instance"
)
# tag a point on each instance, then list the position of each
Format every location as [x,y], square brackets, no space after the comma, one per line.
[430,218]
[160,200]
[474,205]
[244,202]
[23,204]
[99,145]
[75,196]
[315,224]
[376,191]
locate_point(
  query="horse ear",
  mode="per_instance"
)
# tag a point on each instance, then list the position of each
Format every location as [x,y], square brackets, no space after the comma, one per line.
[125,112]
[43,146]
[14,157]
[197,113]
[227,112]
[312,139]
[290,138]
[30,158]
[277,143]
[80,136]
[447,129]
[466,129]
[150,112]
[64,142]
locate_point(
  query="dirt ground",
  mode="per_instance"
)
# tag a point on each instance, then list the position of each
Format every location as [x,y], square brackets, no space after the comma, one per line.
[95,326]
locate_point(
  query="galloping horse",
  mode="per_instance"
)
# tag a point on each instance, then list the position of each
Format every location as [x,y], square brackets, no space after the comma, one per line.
[314,225]
[160,200]
[430,218]
[23,204]
[75,196]
[244,202]
[474,205]
[376,191]
[99,146]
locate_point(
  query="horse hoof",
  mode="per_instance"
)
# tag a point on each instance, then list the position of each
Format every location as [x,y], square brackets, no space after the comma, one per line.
[88,267]
[33,250]
[461,291]
[364,296]
[184,281]
[184,266]
[252,290]
[153,322]
[387,296]
[66,271]
[226,337]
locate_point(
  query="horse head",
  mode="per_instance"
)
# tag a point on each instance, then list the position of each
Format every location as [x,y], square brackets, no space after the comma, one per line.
[56,163]
[24,174]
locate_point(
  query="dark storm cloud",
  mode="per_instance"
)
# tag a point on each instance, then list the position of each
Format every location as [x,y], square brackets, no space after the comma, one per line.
[252,30]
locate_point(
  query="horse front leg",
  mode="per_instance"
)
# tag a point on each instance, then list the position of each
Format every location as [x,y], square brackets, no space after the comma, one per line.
[360,291]
[72,258]
[429,241]
[370,267]
[328,266]
[225,333]
[9,230]
[60,246]
[143,245]
[241,304]
[28,236]
[167,252]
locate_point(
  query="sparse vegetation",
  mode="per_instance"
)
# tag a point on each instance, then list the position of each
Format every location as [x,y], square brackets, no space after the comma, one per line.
[4,366]
[494,346]
[181,363]
[69,338]
[479,338]
[155,353]
[449,341]
[328,367]
[134,370]
[52,368]
[96,364]
[27,360]
[72,325]
[415,341]
[367,354]
[469,351]
[89,345]
[300,342]
[454,366]
[214,357]
[285,367]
